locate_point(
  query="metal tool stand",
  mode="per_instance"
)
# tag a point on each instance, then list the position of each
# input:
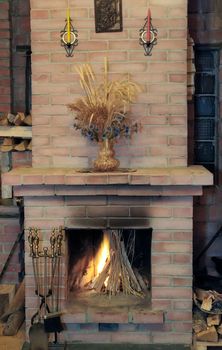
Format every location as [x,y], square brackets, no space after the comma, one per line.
[46,269]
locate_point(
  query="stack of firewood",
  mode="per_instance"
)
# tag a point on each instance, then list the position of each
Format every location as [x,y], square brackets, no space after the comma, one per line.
[12,143]
[207,320]
[18,119]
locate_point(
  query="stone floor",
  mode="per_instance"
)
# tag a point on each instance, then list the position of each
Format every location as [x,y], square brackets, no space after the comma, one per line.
[18,342]
[113,347]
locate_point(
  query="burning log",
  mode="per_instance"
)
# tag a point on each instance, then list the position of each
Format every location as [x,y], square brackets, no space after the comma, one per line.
[98,283]
[117,274]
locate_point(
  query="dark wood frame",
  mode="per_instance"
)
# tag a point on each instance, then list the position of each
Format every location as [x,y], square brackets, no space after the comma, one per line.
[108,16]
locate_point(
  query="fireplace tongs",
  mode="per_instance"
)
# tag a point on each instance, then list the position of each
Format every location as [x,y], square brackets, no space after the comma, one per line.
[52,322]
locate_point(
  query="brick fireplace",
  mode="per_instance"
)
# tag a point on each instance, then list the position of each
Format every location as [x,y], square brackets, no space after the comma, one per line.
[155,187]
[157,198]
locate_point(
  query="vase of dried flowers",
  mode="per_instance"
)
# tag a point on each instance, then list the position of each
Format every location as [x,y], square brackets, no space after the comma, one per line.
[106,157]
[102,115]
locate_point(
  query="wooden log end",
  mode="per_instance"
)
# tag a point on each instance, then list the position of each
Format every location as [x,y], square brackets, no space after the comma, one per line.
[28,120]
[10,118]
[4,120]
[213,320]
[22,146]
[29,146]
[19,119]
[209,335]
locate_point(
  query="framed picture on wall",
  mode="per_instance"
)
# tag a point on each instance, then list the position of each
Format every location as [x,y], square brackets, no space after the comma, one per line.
[108,16]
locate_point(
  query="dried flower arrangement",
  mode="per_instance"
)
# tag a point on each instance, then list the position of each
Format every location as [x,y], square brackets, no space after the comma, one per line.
[103,112]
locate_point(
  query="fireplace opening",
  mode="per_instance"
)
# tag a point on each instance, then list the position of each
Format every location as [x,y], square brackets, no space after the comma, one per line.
[110,266]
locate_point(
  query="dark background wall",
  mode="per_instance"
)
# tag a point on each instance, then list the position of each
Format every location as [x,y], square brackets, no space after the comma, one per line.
[5,82]
[205,27]
[14,34]
[205,21]
[20,37]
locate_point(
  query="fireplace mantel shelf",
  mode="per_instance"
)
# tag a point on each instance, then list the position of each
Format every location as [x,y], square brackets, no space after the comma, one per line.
[193,175]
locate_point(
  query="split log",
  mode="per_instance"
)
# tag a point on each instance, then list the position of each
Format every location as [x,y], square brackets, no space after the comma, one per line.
[22,146]
[207,303]
[99,282]
[199,321]
[11,118]
[14,322]
[29,147]
[17,303]
[28,120]
[213,320]
[19,119]
[202,294]
[219,329]
[4,120]
[209,335]
[8,141]
[7,145]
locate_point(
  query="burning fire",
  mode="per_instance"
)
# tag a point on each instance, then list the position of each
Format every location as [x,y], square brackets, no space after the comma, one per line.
[109,271]
[103,254]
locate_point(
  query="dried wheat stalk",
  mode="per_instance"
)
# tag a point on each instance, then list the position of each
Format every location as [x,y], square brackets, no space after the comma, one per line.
[102,101]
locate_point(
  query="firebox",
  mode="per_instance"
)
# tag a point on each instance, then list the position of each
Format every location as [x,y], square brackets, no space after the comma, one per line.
[111,266]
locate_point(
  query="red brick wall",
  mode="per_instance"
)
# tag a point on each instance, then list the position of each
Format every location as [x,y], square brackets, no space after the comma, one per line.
[161,107]
[21,159]
[205,27]
[5,89]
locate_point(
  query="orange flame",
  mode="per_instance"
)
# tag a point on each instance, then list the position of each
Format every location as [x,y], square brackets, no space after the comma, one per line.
[102,255]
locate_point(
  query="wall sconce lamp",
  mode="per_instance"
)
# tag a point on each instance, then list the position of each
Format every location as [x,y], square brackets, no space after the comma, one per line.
[148,35]
[69,36]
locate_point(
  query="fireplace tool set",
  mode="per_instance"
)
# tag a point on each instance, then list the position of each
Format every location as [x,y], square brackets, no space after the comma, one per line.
[46,269]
